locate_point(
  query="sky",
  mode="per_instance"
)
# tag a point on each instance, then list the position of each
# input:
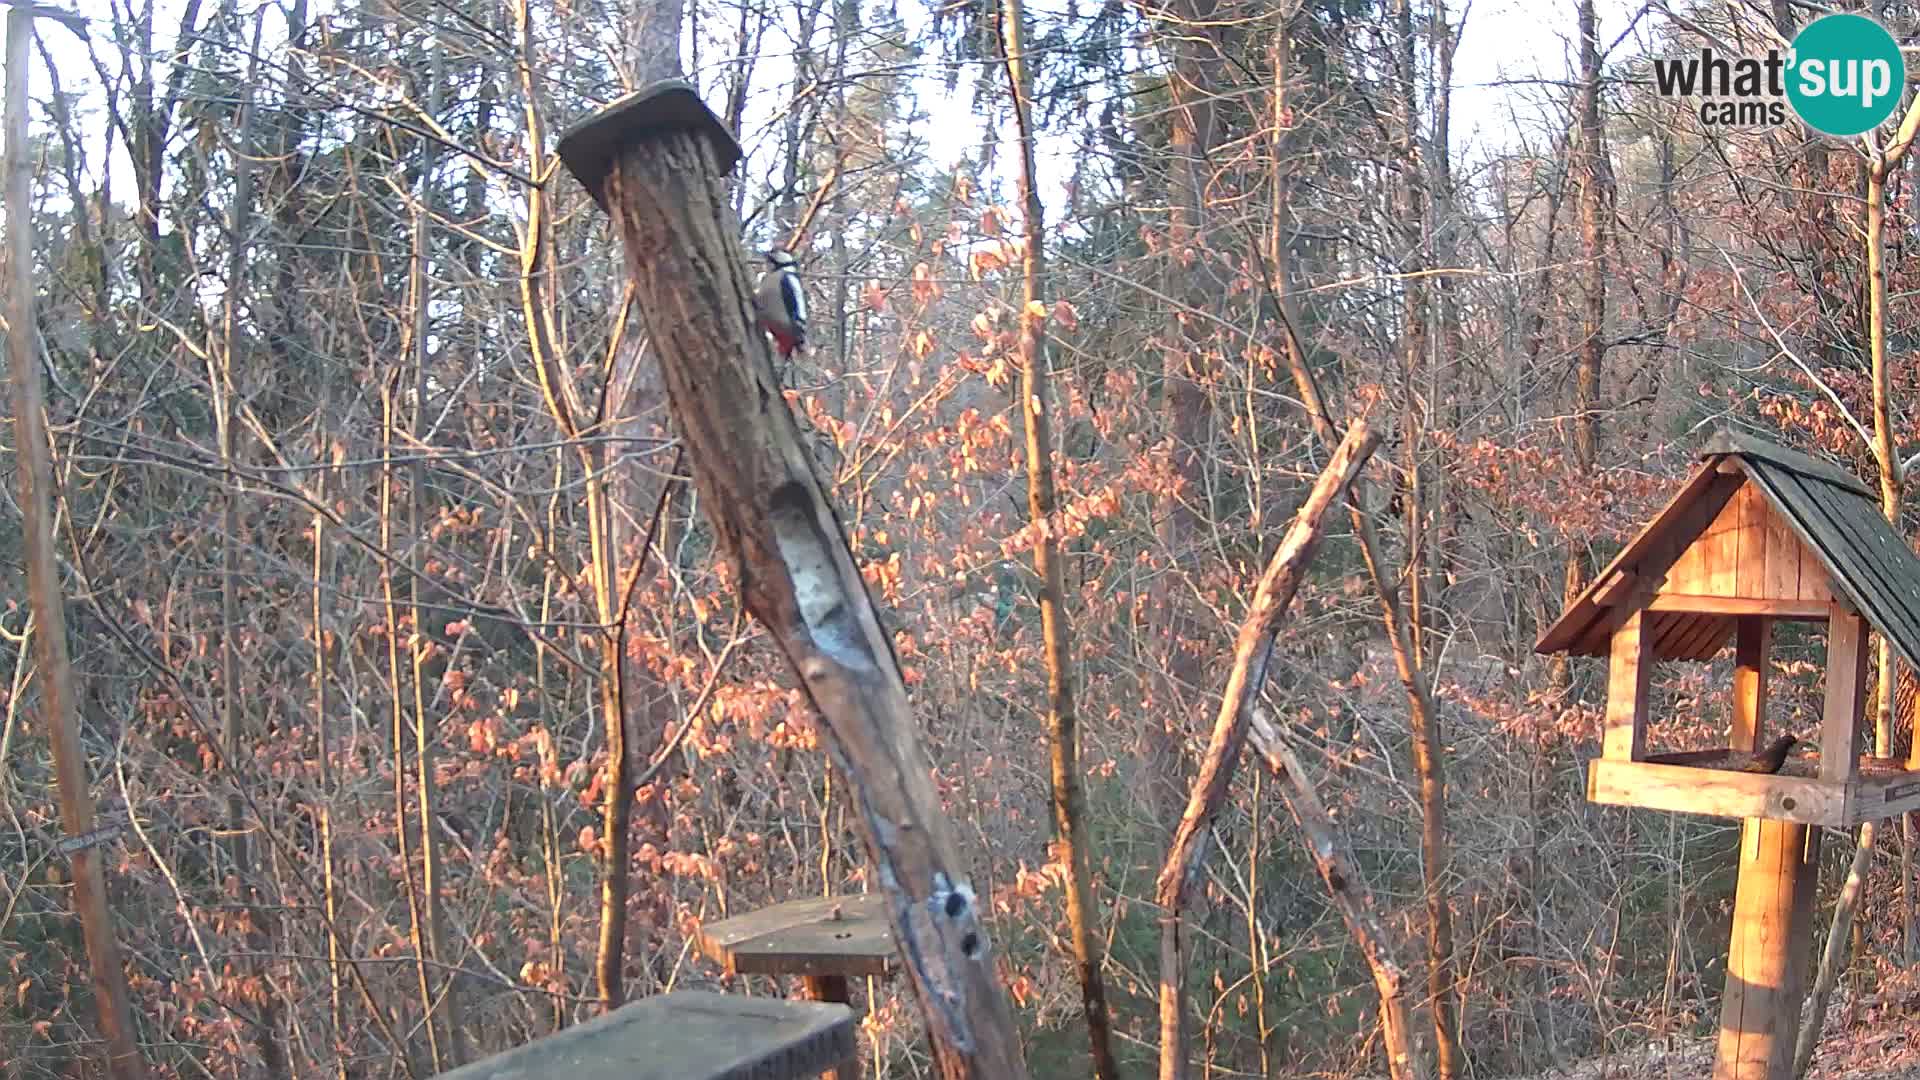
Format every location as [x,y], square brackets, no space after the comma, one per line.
[1511,55]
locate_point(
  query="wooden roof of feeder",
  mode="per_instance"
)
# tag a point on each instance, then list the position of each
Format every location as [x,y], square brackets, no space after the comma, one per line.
[1757,530]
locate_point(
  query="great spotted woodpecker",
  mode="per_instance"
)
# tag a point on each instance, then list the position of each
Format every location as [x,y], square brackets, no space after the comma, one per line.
[781,305]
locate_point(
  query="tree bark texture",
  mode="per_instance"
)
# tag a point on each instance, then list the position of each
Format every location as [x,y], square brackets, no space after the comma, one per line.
[1595,181]
[1186,367]
[1252,651]
[788,554]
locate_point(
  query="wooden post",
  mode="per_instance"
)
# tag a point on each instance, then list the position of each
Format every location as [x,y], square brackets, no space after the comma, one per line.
[1753,641]
[655,161]
[1845,694]
[1767,957]
[833,988]
[43,575]
[1773,904]
[1629,674]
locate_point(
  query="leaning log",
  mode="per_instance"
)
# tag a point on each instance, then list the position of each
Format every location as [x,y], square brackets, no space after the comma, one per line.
[1351,897]
[655,161]
[1251,653]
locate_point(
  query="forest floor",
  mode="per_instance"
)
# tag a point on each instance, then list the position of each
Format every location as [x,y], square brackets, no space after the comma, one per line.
[1875,1039]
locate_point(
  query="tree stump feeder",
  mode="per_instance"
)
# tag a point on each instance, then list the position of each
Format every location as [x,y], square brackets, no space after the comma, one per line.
[1759,534]
[656,162]
[684,1036]
[824,941]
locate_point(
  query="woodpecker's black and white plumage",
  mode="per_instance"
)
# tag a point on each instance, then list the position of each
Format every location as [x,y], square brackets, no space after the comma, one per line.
[781,304]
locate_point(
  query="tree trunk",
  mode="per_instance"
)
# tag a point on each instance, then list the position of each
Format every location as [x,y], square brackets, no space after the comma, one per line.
[48,606]
[1252,651]
[1595,180]
[1422,716]
[222,362]
[1036,407]
[1834,959]
[788,552]
[1188,410]
[396,635]
[323,759]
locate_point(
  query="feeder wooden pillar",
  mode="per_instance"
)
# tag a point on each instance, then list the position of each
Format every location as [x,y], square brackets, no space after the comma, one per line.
[1779,866]
[1767,956]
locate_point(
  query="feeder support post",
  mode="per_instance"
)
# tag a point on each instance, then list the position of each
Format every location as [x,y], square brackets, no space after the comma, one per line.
[655,161]
[1767,956]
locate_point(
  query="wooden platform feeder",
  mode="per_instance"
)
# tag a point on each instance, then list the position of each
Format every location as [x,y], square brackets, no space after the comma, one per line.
[824,941]
[1758,534]
[684,1036]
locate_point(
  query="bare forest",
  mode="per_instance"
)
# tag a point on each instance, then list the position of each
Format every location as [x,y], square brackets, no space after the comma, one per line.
[1219,398]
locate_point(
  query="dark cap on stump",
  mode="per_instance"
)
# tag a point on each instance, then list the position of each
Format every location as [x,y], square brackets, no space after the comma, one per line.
[589,147]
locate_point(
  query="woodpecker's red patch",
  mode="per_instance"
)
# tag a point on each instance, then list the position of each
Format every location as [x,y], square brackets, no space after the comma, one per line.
[783,341]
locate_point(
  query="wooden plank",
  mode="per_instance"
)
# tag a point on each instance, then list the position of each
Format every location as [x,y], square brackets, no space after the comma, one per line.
[1753,644]
[1845,694]
[1767,953]
[1782,577]
[1804,610]
[1709,636]
[1707,566]
[1648,554]
[1690,573]
[1597,640]
[1617,588]
[1668,630]
[1883,796]
[1744,445]
[1754,515]
[1722,541]
[835,935]
[1683,789]
[1816,584]
[1629,673]
[1662,550]
[685,1035]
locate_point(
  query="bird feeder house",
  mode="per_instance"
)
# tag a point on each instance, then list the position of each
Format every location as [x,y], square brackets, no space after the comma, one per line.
[1759,534]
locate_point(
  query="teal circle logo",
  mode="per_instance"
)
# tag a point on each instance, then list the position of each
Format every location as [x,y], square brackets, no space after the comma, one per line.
[1846,76]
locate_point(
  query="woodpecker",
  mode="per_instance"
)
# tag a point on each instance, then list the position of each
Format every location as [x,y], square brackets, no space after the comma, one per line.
[1772,758]
[781,304]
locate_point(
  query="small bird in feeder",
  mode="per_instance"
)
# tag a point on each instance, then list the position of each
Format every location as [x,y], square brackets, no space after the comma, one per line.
[1770,760]
[781,304]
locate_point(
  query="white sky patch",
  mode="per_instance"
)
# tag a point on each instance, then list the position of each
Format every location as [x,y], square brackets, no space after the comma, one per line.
[1515,59]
